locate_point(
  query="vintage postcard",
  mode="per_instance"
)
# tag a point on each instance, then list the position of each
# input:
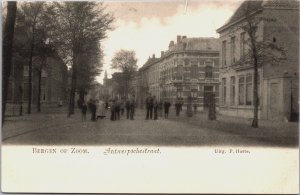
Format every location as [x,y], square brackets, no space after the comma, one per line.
[181,96]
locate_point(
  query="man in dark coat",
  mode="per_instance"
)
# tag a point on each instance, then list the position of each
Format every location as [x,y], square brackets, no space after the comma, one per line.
[127,107]
[112,110]
[93,110]
[178,107]
[167,105]
[132,107]
[155,107]
[83,111]
[117,109]
[149,106]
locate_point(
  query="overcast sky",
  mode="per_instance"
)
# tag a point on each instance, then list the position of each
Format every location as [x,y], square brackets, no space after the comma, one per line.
[147,27]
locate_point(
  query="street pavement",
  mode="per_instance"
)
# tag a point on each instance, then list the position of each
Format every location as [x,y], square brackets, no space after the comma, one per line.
[55,128]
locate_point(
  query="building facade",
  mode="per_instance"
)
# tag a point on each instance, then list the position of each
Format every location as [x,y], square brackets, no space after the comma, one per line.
[190,67]
[277,24]
[53,83]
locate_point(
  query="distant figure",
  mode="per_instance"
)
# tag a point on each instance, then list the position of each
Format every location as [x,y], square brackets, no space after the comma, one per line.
[132,106]
[167,105]
[160,108]
[83,111]
[122,107]
[127,106]
[149,106]
[178,107]
[101,112]
[112,110]
[93,110]
[155,107]
[117,109]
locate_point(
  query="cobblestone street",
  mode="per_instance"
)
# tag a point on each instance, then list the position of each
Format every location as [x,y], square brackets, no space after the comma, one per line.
[54,127]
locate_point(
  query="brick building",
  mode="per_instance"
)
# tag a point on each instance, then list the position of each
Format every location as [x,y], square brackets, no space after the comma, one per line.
[53,83]
[190,67]
[277,82]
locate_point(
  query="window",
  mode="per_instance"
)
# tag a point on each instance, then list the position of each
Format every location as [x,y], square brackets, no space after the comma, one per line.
[208,71]
[224,91]
[224,53]
[194,71]
[242,45]
[232,50]
[194,93]
[241,90]
[249,90]
[179,72]
[232,90]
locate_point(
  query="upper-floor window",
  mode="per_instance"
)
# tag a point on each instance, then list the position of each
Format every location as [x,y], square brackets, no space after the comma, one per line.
[242,45]
[179,72]
[224,53]
[194,71]
[232,50]
[208,72]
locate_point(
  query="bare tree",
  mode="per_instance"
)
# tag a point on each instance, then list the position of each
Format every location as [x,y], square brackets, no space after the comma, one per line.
[260,50]
[8,37]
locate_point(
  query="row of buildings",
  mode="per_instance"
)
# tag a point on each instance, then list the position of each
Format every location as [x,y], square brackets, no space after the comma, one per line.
[200,67]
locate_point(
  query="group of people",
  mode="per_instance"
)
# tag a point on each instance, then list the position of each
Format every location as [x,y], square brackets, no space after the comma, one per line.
[153,107]
[117,107]
[96,107]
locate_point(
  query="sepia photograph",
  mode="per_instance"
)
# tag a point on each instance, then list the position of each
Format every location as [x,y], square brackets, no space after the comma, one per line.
[148,96]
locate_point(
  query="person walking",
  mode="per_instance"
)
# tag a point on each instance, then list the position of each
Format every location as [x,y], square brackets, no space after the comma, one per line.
[155,107]
[167,105]
[127,107]
[132,107]
[83,111]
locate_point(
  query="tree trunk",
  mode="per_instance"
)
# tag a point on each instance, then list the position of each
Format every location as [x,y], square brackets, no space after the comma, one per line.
[8,37]
[73,87]
[255,63]
[39,90]
[30,73]
[255,96]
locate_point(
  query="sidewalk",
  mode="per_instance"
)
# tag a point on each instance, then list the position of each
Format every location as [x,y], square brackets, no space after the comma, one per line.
[241,126]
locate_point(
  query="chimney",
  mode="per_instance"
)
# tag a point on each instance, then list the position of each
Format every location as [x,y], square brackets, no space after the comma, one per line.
[171,44]
[183,37]
[178,39]
[153,56]
[162,53]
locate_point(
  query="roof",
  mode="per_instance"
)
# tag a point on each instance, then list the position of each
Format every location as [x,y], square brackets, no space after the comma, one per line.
[255,6]
[203,44]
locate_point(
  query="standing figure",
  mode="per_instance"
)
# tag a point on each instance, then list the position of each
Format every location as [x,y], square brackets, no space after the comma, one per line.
[155,107]
[167,105]
[149,106]
[122,105]
[93,110]
[101,112]
[83,111]
[117,109]
[127,106]
[178,107]
[112,110]
[132,106]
